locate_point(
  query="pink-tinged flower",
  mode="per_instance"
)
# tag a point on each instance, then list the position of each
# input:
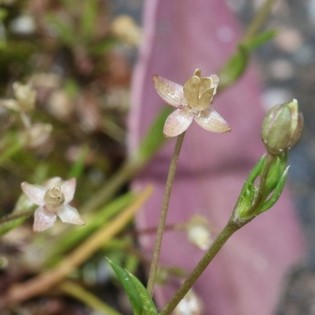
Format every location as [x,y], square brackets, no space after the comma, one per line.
[53,199]
[192,102]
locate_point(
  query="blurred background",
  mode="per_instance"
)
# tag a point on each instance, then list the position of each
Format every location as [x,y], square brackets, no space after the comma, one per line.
[79,58]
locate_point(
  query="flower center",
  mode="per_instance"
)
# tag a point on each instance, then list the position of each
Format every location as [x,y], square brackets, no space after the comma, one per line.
[54,198]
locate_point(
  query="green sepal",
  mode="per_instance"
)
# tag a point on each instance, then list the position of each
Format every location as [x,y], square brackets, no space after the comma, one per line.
[245,202]
[256,171]
[139,298]
[276,192]
[249,191]
[275,172]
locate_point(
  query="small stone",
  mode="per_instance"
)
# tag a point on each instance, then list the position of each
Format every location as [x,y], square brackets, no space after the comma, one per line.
[281,69]
[289,40]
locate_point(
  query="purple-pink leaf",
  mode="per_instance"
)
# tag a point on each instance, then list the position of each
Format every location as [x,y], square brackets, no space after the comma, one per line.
[248,273]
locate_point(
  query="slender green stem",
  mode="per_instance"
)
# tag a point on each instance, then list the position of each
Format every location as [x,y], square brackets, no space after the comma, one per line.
[259,19]
[218,243]
[163,215]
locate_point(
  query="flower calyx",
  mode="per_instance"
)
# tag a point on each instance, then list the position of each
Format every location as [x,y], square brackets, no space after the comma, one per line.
[53,199]
[192,101]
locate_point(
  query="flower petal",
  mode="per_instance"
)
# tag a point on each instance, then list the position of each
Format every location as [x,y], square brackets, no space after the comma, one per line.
[212,121]
[177,122]
[191,90]
[68,214]
[34,192]
[43,220]
[207,83]
[214,81]
[68,189]
[205,100]
[54,181]
[171,92]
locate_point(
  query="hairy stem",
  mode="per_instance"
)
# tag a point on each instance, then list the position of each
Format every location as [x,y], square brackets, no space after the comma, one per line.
[221,239]
[163,215]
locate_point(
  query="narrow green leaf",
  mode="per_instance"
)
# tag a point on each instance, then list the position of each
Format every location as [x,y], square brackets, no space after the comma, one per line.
[3,14]
[260,39]
[12,221]
[74,237]
[63,30]
[77,167]
[237,64]
[140,300]
[235,67]
[148,307]
[88,19]
[154,137]
[103,46]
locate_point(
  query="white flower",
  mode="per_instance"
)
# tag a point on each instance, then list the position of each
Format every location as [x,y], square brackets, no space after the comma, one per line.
[192,102]
[191,304]
[25,97]
[198,232]
[53,200]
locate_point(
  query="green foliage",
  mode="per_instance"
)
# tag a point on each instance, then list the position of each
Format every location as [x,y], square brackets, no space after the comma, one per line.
[262,188]
[140,300]
[10,222]
[3,14]
[271,200]
[235,67]
[259,40]
[78,166]
[238,62]
[74,237]
[154,138]
[88,18]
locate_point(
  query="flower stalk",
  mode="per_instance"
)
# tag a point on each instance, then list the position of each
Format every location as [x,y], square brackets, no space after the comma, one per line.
[163,214]
[230,228]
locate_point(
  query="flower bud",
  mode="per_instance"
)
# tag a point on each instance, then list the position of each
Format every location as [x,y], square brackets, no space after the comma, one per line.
[25,96]
[282,127]
[198,232]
